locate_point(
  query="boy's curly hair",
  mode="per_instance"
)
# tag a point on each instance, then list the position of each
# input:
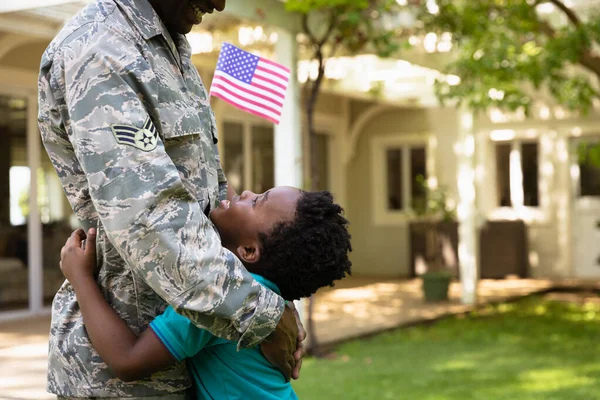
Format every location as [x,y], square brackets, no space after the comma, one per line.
[309,252]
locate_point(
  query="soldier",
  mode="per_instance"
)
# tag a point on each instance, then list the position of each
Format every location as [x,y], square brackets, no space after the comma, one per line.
[127,123]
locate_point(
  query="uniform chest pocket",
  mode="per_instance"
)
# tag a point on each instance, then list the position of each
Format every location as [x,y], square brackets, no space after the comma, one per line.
[188,140]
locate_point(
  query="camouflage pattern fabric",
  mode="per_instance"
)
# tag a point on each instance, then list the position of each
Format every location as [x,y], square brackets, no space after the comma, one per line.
[187,396]
[127,123]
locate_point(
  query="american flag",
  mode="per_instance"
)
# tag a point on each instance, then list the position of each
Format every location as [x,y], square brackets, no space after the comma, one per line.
[250,83]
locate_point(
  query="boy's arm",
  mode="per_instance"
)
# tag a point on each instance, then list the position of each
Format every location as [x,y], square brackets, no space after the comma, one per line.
[128,356]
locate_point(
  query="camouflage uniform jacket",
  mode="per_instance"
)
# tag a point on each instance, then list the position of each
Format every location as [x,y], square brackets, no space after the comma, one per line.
[127,123]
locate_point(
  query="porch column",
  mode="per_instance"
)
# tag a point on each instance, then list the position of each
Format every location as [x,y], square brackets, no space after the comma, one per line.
[34,226]
[5,163]
[562,204]
[288,134]
[468,243]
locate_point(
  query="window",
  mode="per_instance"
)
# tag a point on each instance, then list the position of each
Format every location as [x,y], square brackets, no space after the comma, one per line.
[418,174]
[529,163]
[406,169]
[400,164]
[589,171]
[323,148]
[233,155]
[517,174]
[248,156]
[263,159]
[394,180]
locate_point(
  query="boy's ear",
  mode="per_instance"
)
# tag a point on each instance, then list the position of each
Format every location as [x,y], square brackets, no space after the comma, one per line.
[248,254]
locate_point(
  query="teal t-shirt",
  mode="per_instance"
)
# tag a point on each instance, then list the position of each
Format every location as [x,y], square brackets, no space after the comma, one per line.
[221,372]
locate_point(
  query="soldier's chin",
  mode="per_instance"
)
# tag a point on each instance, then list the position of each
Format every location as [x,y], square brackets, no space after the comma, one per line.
[182,27]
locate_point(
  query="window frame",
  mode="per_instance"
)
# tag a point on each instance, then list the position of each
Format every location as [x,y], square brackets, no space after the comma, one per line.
[382,215]
[516,148]
[531,214]
[247,122]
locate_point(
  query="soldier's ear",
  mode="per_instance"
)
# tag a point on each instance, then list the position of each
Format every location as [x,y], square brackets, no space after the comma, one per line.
[248,254]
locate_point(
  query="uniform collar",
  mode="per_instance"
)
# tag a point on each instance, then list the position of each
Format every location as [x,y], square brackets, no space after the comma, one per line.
[142,15]
[145,19]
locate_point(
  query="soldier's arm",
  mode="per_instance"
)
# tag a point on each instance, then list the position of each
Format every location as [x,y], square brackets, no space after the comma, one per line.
[155,224]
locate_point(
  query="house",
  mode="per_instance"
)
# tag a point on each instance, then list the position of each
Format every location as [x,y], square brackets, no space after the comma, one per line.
[379,126]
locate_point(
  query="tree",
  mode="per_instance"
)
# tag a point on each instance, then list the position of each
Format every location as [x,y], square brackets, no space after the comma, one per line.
[329,26]
[510,50]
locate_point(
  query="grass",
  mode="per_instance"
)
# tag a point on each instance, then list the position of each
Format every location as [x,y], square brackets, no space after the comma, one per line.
[529,350]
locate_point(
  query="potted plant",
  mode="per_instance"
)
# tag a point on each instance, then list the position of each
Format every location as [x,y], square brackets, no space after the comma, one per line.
[435,211]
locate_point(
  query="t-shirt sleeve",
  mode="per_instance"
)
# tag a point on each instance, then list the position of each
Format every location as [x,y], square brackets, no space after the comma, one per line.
[179,335]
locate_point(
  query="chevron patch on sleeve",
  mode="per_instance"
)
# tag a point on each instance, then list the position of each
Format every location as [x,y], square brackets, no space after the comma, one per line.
[145,138]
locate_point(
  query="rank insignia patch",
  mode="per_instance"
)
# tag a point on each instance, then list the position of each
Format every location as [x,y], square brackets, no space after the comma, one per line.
[145,138]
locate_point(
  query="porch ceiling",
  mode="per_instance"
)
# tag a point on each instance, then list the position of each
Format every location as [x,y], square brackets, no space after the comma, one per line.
[30,19]
[44,18]
[22,5]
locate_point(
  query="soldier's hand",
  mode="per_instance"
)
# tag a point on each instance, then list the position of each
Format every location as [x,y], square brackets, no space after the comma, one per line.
[281,347]
[78,256]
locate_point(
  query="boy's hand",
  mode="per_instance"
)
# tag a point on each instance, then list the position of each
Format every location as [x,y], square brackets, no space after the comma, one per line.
[75,262]
[284,348]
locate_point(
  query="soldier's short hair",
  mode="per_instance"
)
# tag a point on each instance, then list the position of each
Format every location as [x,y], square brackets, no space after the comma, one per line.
[309,252]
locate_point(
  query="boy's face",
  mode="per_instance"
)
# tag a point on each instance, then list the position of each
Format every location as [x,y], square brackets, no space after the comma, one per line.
[181,15]
[240,222]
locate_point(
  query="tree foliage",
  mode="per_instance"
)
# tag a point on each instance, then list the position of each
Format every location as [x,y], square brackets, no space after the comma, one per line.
[333,25]
[511,49]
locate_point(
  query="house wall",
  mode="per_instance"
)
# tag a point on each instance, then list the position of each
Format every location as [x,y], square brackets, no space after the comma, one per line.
[383,250]
[19,66]
[550,226]
[26,57]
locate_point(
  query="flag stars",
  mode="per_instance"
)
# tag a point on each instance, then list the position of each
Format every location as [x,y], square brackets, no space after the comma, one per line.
[237,63]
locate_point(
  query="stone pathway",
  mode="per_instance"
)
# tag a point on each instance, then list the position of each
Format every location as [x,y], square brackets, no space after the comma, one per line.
[356,307]
[362,307]
[23,359]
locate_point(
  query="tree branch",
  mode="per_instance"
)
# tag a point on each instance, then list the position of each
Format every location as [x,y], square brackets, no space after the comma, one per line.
[307,31]
[591,62]
[571,15]
[330,28]
[587,59]
[547,29]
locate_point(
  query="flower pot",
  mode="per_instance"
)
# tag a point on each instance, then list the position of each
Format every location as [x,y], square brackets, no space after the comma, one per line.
[435,286]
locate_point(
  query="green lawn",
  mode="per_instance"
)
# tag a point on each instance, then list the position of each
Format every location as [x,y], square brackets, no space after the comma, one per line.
[532,349]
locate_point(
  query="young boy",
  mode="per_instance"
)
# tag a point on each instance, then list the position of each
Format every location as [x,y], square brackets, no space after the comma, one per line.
[293,242]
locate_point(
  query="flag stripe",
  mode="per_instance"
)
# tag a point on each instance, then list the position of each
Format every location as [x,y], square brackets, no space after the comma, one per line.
[246,107]
[274,94]
[249,98]
[266,68]
[273,80]
[247,104]
[275,100]
[266,86]
[275,65]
